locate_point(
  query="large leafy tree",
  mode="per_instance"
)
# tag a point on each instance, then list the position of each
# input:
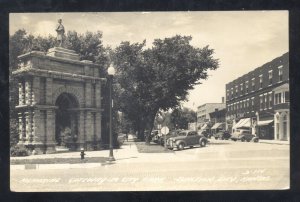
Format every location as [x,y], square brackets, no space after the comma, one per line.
[180,118]
[158,78]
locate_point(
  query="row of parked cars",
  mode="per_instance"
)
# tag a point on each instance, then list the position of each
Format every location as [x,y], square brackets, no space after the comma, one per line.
[242,134]
[180,139]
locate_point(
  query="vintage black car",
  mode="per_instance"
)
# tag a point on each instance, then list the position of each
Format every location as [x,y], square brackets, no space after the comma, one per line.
[187,138]
[169,135]
[222,135]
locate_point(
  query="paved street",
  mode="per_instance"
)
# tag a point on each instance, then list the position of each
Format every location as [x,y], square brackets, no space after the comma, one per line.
[222,165]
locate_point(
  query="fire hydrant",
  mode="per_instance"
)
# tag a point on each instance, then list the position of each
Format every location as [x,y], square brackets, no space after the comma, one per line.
[82,153]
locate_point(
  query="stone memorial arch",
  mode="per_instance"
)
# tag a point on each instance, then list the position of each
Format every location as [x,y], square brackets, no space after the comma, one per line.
[59,101]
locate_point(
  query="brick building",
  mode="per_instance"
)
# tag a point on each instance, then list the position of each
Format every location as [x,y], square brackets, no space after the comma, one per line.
[259,98]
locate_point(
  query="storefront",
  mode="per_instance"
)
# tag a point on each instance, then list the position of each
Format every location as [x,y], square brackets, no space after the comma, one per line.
[217,127]
[245,123]
[282,113]
[266,129]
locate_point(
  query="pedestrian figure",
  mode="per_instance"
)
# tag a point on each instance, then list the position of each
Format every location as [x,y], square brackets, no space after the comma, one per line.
[126,136]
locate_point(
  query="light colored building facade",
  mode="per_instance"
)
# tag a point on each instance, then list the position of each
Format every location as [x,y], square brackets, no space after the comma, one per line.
[203,112]
[260,100]
[59,101]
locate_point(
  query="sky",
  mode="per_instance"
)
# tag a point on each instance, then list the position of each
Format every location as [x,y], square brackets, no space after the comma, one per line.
[242,40]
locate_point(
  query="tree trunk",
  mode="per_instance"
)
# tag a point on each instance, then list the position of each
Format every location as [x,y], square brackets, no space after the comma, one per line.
[149,125]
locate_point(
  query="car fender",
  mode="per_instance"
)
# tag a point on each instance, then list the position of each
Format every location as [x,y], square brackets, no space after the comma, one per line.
[177,142]
[241,136]
[202,139]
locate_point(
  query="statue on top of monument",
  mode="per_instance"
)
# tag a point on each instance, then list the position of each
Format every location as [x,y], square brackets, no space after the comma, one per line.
[60,33]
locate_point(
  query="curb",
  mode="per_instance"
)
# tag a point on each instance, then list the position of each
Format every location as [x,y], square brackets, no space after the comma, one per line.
[278,143]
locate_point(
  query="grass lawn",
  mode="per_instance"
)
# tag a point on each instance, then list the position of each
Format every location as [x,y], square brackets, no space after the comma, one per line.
[58,160]
[152,148]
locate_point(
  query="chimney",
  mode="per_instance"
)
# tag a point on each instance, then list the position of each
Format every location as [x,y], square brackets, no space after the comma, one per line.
[223,100]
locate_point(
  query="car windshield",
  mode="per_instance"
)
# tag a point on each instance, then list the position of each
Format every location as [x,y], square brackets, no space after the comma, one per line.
[182,134]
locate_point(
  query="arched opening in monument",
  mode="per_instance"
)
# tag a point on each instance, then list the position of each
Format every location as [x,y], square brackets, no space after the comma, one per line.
[66,120]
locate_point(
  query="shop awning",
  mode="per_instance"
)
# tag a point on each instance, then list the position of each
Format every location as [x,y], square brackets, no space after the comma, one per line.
[264,123]
[204,127]
[243,123]
[217,125]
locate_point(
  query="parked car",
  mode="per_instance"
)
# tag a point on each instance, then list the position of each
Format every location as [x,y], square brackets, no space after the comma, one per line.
[186,138]
[205,133]
[169,135]
[243,135]
[222,135]
[154,136]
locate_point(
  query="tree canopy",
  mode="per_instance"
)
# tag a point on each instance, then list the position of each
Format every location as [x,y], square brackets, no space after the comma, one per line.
[158,78]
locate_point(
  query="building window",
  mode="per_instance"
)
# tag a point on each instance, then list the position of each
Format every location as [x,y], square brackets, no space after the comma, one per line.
[253,84]
[270,77]
[282,97]
[277,98]
[280,73]
[247,86]
[261,101]
[266,101]
[236,91]
[270,100]
[260,81]
[287,96]
[241,88]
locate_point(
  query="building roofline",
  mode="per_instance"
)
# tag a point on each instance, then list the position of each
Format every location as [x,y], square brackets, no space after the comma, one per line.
[255,69]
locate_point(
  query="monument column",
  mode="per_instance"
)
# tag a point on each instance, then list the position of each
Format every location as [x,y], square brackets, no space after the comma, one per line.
[50,130]
[21,93]
[36,90]
[28,127]
[88,95]
[98,95]
[36,125]
[98,128]
[21,128]
[81,129]
[89,130]
[49,86]
[28,86]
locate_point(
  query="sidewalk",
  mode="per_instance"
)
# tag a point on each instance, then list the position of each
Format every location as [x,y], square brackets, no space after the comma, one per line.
[126,154]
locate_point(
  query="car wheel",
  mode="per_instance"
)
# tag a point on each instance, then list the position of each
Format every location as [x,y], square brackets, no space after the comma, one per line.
[222,138]
[216,138]
[255,140]
[202,143]
[243,139]
[191,146]
[181,146]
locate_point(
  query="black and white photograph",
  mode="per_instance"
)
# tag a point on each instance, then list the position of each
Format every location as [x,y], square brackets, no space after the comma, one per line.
[149,101]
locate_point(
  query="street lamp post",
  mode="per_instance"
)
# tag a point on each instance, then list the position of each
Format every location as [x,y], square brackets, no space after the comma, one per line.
[111,72]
